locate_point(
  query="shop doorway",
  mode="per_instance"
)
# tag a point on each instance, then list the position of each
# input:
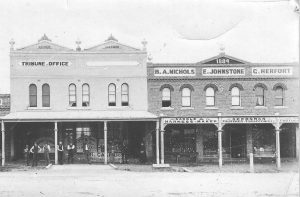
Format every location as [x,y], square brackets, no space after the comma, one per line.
[288,141]
[238,143]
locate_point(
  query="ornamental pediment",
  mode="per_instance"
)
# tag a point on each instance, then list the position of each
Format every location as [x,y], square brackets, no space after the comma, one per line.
[223,59]
[112,46]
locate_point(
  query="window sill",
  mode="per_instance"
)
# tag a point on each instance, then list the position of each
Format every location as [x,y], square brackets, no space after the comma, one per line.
[118,107]
[280,107]
[214,108]
[261,107]
[167,108]
[38,108]
[236,107]
[79,108]
[186,108]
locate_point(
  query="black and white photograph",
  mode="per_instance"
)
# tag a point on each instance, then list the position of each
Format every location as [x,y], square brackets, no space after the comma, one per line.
[149,98]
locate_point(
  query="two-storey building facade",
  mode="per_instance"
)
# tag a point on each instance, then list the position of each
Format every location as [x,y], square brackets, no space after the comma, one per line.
[224,108]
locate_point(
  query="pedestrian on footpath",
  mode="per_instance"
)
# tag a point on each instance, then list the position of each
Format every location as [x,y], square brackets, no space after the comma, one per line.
[60,150]
[46,153]
[87,153]
[26,154]
[71,150]
[143,157]
[124,151]
[35,149]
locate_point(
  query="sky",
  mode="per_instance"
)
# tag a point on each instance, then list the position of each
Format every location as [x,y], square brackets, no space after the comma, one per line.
[176,31]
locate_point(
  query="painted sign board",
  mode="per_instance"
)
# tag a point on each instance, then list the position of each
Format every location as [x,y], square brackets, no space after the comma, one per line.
[275,71]
[44,63]
[174,72]
[189,120]
[223,71]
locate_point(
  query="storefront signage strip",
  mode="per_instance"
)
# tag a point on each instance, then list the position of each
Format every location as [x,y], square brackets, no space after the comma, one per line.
[175,72]
[189,120]
[45,63]
[275,71]
[223,71]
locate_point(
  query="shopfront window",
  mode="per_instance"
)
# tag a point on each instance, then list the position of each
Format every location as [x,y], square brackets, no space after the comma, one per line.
[210,96]
[125,94]
[166,97]
[32,95]
[260,96]
[279,96]
[235,96]
[186,97]
[46,95]
[111,94]
[85,95]
[72,95]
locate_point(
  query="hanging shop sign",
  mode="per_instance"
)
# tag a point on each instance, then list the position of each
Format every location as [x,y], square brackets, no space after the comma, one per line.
[189,120]
[223,71]
[249,120]
[45,63]
[175,72]
[257,71]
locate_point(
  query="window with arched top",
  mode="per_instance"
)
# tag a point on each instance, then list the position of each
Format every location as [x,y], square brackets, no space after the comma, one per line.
[72,95]
[235,96]
[260,96]
[111,94]
[85,95]
[32,95]
[210,96]
[46,95]
[124,94]
[186,97]
[279,96]
[166,97]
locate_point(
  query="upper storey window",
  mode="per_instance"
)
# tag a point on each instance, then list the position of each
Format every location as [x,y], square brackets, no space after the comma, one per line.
[111,94]
[166,97]
[279,96]
[260,96]
[46,95]
[235,96]
[85,95]
[210,96]
[32,95]
[125,94]
[186,97]
[72,95]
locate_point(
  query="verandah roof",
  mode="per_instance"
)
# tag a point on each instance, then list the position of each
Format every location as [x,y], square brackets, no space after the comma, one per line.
[79,115]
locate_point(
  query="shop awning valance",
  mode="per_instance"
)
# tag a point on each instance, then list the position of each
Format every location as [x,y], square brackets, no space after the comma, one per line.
[79,115]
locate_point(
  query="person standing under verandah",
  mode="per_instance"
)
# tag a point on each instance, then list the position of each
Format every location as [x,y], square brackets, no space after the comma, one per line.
[46,149]
[35,150]
[71,150]
[143,157]
[124,152]
[26,154]
[87,153]
[60,151]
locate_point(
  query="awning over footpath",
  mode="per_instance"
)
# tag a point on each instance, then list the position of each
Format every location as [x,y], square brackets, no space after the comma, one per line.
[78,115]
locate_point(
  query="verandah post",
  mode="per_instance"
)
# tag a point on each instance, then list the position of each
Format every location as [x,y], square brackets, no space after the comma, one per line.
[3,142]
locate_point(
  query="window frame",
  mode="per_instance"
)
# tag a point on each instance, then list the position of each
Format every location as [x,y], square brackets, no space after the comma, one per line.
[70,95]
[236,96]
[112,104]
[44,95]
[260,96]
[208,97]
[281,97]
[32,95]
[166,102]
[85,103]
[124,103]
[190,97]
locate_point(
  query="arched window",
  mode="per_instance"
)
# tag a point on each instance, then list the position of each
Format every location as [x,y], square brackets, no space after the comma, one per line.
[210,96]
[260,96]
[235,96]
[279,96]
[85,95]
[32,95]
[125,94]
[166,97]
[46,95]
[72,95]
[111,94]
[186,97]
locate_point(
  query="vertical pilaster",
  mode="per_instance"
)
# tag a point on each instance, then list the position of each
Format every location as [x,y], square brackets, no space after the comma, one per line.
[278,162]
[157,142]
[105,142]
[220,148]
[3,143]
[162,147]
[55,142]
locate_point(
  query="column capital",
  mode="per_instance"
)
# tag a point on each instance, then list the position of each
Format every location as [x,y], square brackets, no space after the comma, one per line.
[220,130]
[162,131]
